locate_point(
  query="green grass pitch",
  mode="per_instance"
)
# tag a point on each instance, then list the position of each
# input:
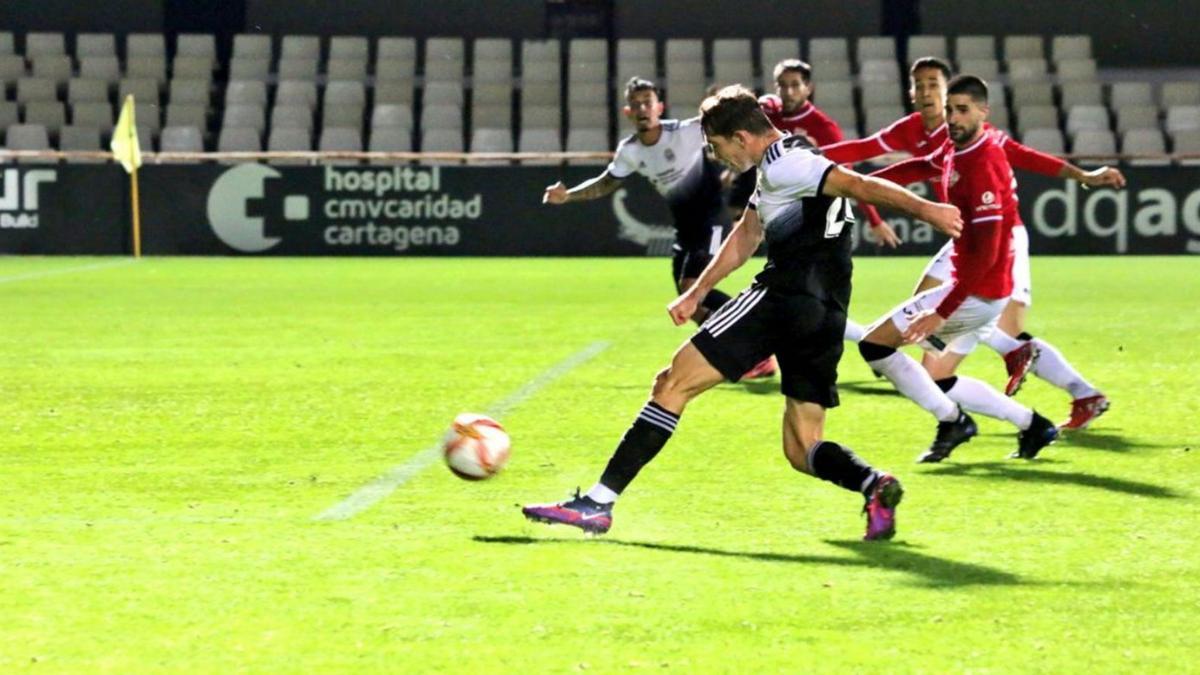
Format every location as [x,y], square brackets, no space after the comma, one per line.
[169,429]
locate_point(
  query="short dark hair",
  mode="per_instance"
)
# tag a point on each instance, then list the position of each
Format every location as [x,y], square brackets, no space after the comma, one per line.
[931,62]
[636,84]
[734,108]
[970,85]
[794,66]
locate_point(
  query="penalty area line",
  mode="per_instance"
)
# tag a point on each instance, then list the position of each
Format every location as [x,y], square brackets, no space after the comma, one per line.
[66,270]
[371,493]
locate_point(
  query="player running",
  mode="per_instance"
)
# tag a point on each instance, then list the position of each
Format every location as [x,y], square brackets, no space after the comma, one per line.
[950,319]
[924,131]
[795,308]
[671,155]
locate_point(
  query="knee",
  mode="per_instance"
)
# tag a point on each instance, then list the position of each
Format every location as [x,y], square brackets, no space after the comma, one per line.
[874,352]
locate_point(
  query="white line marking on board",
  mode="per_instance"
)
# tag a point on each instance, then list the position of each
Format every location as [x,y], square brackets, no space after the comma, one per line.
[66,270]
[366,496]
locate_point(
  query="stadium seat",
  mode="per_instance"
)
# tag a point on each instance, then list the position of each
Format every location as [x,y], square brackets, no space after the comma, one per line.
[831,70]
[589,117]
[1023,47]
[1180,93]
[1131,93]
[148,117]
[446,117]
[50,114]
[249,68]
[833,93]
[1081,93]
[290,117]
[244,117]
[36,89]
[297,69]
[9,115]
[974,47]
[492,140]
[881,94]
[353,70]
[1046,140]
[588,140]
[540,72]
[876,48]
[52,67]
[587,72]
[187,114]
[1137,117]
[845,116]
[351,47]
[143,90]
[684,50]
[541,117]
[395,49]
[1183,118]
[733,61]
[73,138]
[1027,70]
[148,68]
[1086,118]
[539,140]
[540,94]
[491,116]
[395,71]
[1099,143]
[442,140]
[80,90]
[252,46]
[734,72]
[44,44]
[146,44]
[95,44]
[394,92]
[196,45]
[443,93]
[492,94]
[591,50]
[444,71]
[12,68]
[1077,70]
[444,49]
[823,49]
[685,95]
[28,137]
[299,47]
[104,68]
[1145,142]
[6,42]
[181,139]
[772,50]
[1037,117]
[1187,143]
[293,92]
[879,117]
[191,68]
[343,92]
[289,140]
[540,51]
[390,140]
[1032,93]
[1064,47]
[335,115]
[988,69]
[927,45]
[879,72]
[590,93]
[626,70]
[635,57]
[238,139]
[98,115]
[392,116]
[492,72]
[246,92]
[998,117]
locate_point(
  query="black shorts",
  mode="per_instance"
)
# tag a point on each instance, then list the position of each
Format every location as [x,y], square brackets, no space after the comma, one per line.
[691,257]
[805,334]
[743,187]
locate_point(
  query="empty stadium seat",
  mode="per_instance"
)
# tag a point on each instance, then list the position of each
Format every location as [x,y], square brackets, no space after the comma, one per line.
[95,44]
[1023,47]
[880,116]
[28,137]
[189,91]
[1099,143]
[146,44]
[50,114]
[297,69]
[354,70]
[492,72]
[539,140]
[98,115]
[773,50]
[1032,93]
[1137,117]
[246,45]
[541,117]
[334,115]
[442,140]
[249,68]
[1064,47]
[988,69]
[1187,143]
[1086,118]
[395,71]
[9,115]
[243,116]
[492,140]
[42,44]
[394,92]
[1145,142]
[833,93]
[390,140]
[52,67]
[187,114]
[1076,70]
[876,48]
[6,42]
[974,47]
[443,93]
[80,90]
[879,72]
[880,93]
[289,140]
[1027,70]
[73,138]
[588,140]
[1180,93]
[143,90]
[291,117]
[927,45]
[299,47]
[492,116]
[447,117]
[402,49]
[246,92]
[1131,94]
[444,71]
[345,92]
[1081,93]
[540,94]
[294,92]
[349,47]
[846,118]
[239,139]
[12,68]
[392,116]
[822,49]
[192,68]
[196,45]
[1046,140]
[1037,117]
[181,139]
[36,89]
[147,67]
[1183,118]
[492,94]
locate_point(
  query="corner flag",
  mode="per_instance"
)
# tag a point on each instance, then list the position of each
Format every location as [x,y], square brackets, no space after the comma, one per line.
[128,152]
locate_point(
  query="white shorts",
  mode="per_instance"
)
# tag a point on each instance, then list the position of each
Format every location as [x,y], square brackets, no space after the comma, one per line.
[942,268]
[974,319]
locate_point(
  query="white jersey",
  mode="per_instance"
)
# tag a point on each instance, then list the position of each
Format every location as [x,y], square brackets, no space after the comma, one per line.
[790,172]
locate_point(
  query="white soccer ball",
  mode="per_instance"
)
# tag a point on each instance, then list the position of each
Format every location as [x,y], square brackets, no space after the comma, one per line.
[476,447]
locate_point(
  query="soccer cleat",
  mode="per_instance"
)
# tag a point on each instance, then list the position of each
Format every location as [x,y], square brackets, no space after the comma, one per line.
[580,511]
[1019,362]
[765,368]
[1041,432]
[950,435]
[881,508]
[1084,411]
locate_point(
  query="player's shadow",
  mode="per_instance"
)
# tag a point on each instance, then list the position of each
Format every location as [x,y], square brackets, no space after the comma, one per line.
[1021,472]
[1111,442]
[930,570]
[869,387]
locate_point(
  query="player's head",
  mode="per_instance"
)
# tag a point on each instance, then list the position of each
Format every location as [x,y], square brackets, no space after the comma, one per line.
[643,106]
[793,83]
[736,126]
[927,79]
[966,107]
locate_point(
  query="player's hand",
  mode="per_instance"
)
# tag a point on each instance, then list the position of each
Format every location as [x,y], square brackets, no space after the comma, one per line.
[885,235]
[555,194]
[1105,176]
[946,219]
[927,323]
[683,307]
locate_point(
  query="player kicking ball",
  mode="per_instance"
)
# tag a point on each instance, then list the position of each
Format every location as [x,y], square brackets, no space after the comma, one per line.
[950,319]
[795,308]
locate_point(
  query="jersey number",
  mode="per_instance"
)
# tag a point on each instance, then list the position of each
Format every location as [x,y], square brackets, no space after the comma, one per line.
[837,216]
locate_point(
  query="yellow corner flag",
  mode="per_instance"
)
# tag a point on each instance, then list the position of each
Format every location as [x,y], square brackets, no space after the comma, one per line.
[128,152]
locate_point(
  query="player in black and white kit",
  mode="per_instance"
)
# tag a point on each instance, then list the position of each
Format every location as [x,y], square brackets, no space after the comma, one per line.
[671,155]
[795,308]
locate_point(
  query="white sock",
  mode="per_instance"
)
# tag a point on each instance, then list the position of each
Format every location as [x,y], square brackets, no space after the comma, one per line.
[600,493]
[976,396]
[1053,368]
[1002,342]
[854,331]
[913,381]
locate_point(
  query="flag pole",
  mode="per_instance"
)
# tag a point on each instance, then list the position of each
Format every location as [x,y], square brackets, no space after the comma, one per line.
[137,214]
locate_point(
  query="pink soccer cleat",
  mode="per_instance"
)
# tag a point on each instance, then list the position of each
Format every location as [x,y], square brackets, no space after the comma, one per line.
[580,511]
[881,508]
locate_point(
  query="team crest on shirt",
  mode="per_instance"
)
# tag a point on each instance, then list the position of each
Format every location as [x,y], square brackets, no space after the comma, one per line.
[988,197]
[954,176]
[669,154]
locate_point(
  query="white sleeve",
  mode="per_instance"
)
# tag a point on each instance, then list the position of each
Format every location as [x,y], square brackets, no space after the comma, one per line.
[800,173]
[623,163]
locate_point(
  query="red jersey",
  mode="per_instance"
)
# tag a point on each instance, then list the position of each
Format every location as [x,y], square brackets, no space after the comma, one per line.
[809,120]
[978,180]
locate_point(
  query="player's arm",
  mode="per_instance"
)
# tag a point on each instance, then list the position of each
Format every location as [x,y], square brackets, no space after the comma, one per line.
[593,188]
[741,243]
[842,182]
[1026,158]
[857,150]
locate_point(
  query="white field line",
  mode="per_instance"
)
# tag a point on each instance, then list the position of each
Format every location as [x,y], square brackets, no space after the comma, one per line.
[366,496]
[67,270]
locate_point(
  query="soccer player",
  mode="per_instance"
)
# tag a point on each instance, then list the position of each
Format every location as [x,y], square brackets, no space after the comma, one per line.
[671,155]
[950,319]
[795,308]
[921,133]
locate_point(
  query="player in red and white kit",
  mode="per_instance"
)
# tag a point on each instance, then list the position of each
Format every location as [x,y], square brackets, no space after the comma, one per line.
[922,132]
[950,319]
